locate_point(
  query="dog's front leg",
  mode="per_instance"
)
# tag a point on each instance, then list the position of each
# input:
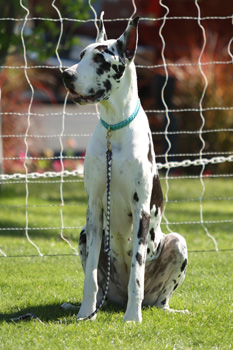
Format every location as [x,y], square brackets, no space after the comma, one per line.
[141,223]
[94,239]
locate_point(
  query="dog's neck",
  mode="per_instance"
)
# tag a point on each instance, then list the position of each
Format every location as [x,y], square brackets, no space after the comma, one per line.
[122,102]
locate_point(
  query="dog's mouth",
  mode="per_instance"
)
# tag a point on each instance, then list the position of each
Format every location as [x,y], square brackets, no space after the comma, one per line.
[80,99]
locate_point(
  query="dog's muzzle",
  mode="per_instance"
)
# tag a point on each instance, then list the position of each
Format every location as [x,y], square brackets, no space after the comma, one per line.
[69,77]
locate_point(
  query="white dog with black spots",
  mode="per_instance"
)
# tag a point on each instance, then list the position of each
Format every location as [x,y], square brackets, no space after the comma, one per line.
[146,265]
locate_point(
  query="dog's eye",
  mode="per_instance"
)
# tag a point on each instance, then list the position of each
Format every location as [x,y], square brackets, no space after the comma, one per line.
[98,58]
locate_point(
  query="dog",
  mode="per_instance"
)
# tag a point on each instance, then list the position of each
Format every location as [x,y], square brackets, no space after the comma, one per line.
[146,265]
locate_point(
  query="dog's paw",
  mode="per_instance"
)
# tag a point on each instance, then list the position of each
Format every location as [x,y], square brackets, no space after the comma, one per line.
[86,313]
[79,319]
[167,308]
[131,320]
[133,311]
[84,318]
[132,317]
[69,307]
[185,311]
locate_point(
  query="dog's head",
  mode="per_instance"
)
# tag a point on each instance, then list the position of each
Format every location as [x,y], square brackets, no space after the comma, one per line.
[102,65]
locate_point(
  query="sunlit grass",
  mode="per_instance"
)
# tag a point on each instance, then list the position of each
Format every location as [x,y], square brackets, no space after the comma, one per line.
[41,284]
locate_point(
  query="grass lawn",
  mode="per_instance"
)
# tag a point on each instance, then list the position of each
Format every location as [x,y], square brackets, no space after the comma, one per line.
[30,283]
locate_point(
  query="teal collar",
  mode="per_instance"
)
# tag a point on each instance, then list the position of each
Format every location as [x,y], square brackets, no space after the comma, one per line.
[124,122]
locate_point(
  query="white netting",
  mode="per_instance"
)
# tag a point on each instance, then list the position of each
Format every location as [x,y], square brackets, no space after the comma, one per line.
[167,162]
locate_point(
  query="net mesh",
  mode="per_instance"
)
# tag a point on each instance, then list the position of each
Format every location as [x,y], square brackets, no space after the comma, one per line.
[169,163]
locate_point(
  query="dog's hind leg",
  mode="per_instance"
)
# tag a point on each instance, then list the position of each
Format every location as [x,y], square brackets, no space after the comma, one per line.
[165,274]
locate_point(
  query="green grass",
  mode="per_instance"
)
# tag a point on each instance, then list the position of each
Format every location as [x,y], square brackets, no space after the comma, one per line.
[41,284]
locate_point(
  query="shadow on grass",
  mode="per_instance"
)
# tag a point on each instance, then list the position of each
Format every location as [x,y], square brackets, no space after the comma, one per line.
[45,313]
[53,313]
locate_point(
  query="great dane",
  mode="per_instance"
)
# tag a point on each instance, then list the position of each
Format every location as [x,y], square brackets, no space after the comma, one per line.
[146,265]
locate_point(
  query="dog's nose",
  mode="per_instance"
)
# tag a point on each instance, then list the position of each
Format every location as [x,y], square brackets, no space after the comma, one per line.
[68,76]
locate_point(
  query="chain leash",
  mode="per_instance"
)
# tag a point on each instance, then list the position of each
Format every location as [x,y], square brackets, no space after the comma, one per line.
[107,247]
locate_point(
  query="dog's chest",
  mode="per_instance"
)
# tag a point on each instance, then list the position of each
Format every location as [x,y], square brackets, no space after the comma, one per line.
[131,178]
[124,169]
[131,170]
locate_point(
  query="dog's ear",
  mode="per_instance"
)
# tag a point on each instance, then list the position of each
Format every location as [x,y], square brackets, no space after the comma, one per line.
[127,42]
[102,36]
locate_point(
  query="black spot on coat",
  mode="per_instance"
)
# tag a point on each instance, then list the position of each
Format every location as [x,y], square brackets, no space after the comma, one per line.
[83,237]
[99,58]
[109,52]
[139,258]
[149,154]
[156,195]
[120,47]
[152,234]
[138,282]
[107,85]
[143,227]
[119,71]
[184,265]
[135,197]
[103,66]
[82,54]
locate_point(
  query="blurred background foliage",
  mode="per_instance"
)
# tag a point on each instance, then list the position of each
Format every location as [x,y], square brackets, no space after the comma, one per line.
[186,83]
[39,35]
